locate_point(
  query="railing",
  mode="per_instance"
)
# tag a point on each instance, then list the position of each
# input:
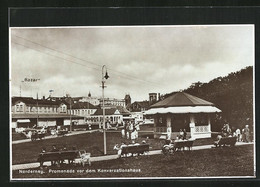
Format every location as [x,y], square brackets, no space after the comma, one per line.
[201,129]
[160,129]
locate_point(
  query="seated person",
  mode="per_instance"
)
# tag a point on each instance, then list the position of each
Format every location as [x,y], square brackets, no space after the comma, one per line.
[178,139]
[64,148]
[54,149]
[119,148]
[43,150]
[217,140]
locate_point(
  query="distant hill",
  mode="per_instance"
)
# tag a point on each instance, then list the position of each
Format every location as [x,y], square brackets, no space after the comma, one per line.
[233,94]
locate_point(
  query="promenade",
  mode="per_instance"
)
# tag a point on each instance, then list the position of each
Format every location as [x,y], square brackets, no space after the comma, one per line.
[112,157]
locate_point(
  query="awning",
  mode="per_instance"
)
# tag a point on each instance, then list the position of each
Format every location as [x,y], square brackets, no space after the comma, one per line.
[128,117]
[183,110]
[23,120]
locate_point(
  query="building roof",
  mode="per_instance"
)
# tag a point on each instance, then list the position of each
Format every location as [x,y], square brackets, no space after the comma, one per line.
[181,99]
[123,110]
[183,110]
[108,111]
[41,116]
[83,105]
[32,101]
[143,104]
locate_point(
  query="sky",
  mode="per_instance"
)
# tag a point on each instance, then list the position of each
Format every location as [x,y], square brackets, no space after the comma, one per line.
[139,60]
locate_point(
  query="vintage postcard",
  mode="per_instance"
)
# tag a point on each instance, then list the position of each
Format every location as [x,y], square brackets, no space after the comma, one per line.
[132,102]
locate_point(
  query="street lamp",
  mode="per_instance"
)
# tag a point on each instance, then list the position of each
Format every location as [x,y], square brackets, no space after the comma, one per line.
[68,96]
[103,86]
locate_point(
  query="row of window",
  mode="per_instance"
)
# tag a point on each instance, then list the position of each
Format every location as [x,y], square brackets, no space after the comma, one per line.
[82,112]
[21,108]
[100,119]
[113,103]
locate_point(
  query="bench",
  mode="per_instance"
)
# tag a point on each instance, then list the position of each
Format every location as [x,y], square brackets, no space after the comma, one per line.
[37,135]
[178,145]
[57,157]
[231,141]
[135,149]
[62,132]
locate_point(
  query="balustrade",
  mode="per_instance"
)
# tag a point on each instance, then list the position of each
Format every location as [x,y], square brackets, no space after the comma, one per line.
[201,129]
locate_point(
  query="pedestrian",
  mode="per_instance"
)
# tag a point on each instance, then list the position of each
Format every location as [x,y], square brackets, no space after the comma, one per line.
[137,127]
[224,129]
[243,135]
[238,134]
[131,126]
[246,132]
[123,133]
[133,136]
[184,134]
[181,134]
[136,133]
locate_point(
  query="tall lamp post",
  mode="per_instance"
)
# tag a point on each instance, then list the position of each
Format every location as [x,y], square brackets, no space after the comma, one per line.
[103,86]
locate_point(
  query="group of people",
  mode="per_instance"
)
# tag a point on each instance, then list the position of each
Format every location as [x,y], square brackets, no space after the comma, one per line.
[130,130]
[182,135]
[54,149]
[242,135]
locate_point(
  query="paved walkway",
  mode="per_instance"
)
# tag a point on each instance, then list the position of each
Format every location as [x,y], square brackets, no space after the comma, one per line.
[111,157]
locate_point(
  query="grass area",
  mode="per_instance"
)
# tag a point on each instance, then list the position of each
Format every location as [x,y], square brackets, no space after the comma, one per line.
[17,136]
[229,161]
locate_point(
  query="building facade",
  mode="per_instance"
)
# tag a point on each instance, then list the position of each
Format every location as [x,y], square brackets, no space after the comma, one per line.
[112,115]
[83,109]
[29,112]
[108,102]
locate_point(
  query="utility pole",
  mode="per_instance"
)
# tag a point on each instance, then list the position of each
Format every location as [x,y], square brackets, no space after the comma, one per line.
[70,116]
[37,111]
[21,88]
[103,87]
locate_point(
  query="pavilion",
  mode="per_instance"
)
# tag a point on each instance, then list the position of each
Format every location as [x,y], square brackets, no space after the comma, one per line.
[182,111]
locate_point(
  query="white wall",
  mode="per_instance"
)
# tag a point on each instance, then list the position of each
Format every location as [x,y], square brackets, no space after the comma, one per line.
[14,124]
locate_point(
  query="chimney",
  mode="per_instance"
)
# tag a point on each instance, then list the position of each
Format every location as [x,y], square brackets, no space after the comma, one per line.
[43,97]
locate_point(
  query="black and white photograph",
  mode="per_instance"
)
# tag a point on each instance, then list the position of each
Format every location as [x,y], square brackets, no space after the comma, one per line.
[132,102]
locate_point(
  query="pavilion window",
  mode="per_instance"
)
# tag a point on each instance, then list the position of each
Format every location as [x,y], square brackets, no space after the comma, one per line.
[201,120]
